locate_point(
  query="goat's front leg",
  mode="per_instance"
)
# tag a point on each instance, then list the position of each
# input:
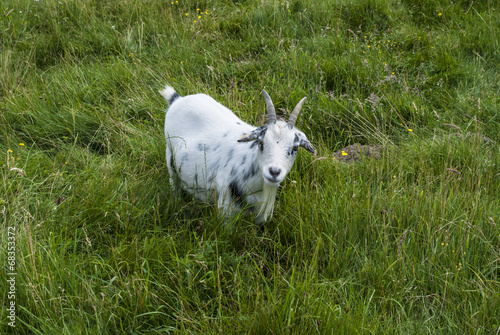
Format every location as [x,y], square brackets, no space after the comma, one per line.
[227,207]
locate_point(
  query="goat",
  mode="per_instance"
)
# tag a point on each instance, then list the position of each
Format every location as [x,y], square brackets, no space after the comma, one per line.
[217,157]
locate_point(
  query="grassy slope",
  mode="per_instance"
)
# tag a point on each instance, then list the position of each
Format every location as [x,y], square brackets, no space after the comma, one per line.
[405,244]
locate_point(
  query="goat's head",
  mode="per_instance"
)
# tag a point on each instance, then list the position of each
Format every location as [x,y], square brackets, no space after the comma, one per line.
[278,143]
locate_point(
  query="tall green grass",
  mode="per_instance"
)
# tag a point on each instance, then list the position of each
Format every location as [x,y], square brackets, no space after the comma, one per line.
[408,243]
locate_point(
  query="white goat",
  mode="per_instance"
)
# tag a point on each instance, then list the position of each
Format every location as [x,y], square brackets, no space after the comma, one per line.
[215,156]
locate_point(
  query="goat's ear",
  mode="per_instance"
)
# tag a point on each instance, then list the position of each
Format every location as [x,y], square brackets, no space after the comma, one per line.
[256,134]
[307,145]
[304,143]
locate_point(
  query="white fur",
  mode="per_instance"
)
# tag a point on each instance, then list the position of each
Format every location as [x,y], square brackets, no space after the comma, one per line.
[205,158]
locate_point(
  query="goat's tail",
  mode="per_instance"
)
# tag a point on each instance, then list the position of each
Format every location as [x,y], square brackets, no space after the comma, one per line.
[169,94]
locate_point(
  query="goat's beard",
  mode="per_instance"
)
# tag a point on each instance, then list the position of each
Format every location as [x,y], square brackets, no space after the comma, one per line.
[267,205]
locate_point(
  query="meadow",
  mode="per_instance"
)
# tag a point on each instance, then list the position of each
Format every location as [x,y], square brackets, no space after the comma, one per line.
[407,242]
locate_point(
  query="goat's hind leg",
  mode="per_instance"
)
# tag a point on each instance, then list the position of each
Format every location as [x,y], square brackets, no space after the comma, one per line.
[172,172]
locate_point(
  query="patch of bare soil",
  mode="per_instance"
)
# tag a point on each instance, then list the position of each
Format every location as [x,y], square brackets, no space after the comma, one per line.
[355,152]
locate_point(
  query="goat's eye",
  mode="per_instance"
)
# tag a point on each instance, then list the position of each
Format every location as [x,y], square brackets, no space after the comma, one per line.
[295,148]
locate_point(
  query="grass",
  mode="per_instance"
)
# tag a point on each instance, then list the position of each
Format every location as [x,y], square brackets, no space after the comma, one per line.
[408,243]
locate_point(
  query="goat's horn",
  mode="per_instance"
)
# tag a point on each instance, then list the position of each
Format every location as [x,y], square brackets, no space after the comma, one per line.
[295,113]
[271,113]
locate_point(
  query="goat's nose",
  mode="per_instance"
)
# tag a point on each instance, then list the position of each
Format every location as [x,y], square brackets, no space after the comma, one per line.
[274,171]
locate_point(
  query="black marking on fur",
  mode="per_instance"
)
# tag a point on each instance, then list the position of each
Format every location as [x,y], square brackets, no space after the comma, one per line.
[173,97]
[243,160]
[201,147]
[236,193]
[238,123]
[172,165]
[212,176]
[229,157]
[214,166]
[261,138]
[225,135]
[254,144]
[263,130]
[217,147]
[251,172]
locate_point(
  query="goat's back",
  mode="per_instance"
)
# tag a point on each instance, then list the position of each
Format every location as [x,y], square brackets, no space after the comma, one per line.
[199,113]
